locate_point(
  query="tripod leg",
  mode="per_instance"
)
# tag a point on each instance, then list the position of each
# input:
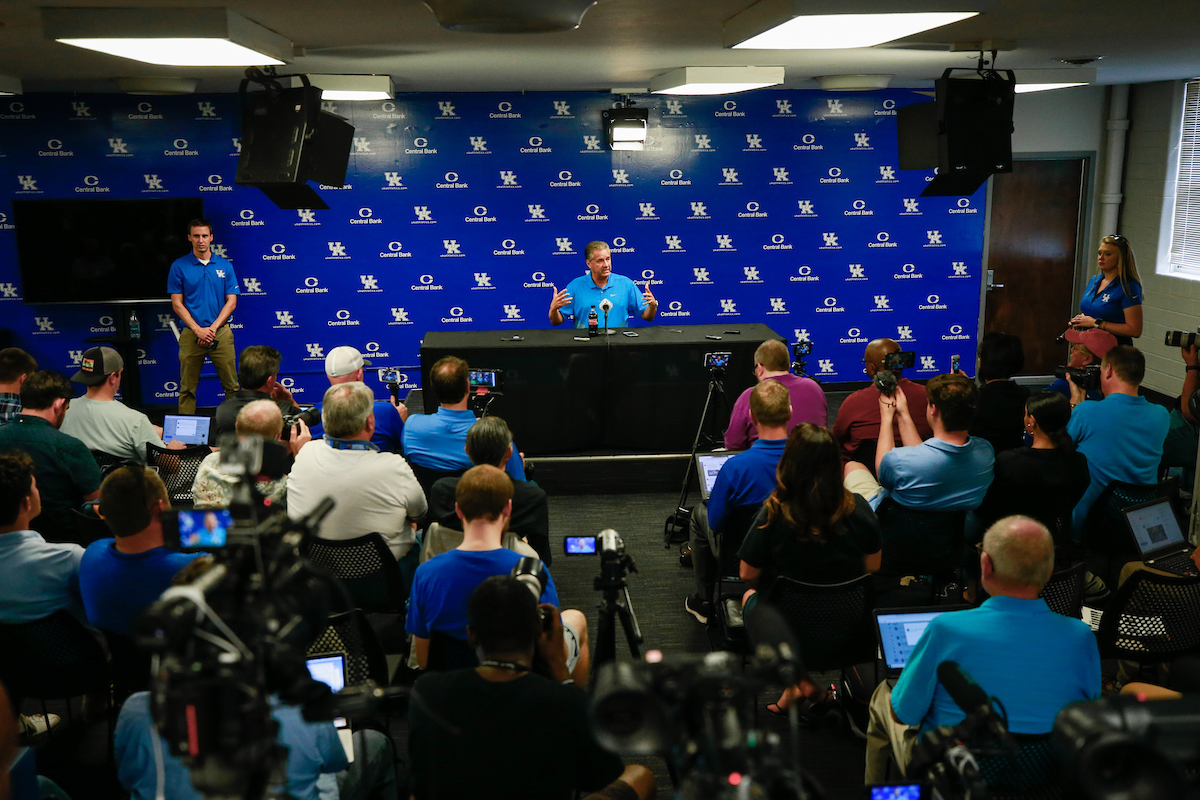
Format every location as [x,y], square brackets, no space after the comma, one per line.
[631,634]
[604,646]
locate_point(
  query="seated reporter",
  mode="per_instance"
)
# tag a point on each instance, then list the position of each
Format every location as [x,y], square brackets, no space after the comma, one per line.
[501,729]
[443,584]
[811,528]
[214,488]
[375,492]
[258,375]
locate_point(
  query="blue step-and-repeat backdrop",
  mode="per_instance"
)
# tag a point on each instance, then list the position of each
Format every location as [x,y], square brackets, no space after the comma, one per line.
[462,211]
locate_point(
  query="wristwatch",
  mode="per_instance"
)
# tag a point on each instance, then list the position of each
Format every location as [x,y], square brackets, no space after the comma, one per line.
[1191,368]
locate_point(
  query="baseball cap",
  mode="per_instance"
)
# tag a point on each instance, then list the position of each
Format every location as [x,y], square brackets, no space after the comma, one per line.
[343,360]
[96,365]
[1097,341]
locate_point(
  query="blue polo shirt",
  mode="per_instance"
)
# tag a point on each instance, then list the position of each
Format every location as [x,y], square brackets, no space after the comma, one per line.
[204,287]
[37,577]
[117,587]
[1034,660]
[1110,304]
[937,475]
[389,428]
[1122,437]
[439,441]
[747,479]
[625,295]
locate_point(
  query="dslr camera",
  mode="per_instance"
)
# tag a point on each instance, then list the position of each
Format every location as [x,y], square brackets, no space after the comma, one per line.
[310,415]
[1180,339]
[1086,378]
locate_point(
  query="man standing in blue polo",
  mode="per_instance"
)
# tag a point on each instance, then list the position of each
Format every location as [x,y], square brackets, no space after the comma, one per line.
[591,290]
[204,292]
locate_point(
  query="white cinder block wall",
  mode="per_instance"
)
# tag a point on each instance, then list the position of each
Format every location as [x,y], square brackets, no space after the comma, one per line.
[1170,302]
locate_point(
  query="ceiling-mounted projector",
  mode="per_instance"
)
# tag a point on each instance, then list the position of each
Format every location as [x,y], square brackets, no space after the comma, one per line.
[506,16]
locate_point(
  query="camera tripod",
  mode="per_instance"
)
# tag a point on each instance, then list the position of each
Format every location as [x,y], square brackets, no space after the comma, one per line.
[678,523]
[615,604]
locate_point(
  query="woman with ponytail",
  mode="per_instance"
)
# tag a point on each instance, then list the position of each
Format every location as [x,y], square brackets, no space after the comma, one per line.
[1044,480]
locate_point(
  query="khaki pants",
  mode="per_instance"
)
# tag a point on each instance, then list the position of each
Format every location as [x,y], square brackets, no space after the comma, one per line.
[886,736]
[191,361]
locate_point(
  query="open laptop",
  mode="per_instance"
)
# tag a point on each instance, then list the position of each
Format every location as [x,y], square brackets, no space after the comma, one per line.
[900,628]
[331,670]
[189,430]
[707,467]
[1158,538]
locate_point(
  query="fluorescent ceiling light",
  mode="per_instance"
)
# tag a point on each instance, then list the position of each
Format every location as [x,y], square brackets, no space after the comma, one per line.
[9,85]
[351,87]
[715,80]
[173,37]
[626,127]
[778,25]
[1041,80]
[1021,88]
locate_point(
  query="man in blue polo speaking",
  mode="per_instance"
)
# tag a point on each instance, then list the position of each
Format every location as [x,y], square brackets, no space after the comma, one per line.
[597,286]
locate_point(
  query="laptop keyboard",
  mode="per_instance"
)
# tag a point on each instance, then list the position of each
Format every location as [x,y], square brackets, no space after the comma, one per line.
[1179,563]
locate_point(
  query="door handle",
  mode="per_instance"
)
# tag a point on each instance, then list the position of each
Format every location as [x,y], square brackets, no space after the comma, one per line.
[991,281]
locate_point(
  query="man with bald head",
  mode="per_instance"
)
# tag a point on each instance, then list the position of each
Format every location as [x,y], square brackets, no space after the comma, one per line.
[214,488]
[1019,651]
[773,362]
[857,423]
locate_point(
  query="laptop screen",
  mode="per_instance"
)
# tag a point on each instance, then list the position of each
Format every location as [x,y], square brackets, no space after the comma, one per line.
[189,430]
[708,465]
[900,630]
[329,670]
[1154,526]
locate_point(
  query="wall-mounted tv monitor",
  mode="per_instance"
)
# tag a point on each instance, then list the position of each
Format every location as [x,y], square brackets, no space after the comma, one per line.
[95,251]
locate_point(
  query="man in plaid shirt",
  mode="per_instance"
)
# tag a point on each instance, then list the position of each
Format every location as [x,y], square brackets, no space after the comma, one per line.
[15,365]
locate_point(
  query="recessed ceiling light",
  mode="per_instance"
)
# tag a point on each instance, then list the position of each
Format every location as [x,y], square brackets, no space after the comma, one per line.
[715,80]
[174,37]
[778,27]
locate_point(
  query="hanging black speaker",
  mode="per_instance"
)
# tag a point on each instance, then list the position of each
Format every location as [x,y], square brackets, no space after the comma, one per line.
[974,134]
[288,140]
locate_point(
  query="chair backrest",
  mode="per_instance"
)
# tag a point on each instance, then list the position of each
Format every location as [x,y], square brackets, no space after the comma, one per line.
[1152,618]
[130,664]
[427,476]
[447,653]
[350,634]
[440,539]
[366,567]
[107,462]
[89,527]
[178,469]
[833,622]
[53,657]
[1105,531]
[1064,591]
[920,542]
[737,525]
[1034,764]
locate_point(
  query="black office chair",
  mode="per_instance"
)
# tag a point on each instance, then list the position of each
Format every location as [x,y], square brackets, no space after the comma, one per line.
[366,567]
[89,527]
[349,634]
[1152,618]
[729,588]
[1029,774]
[178,469]
[54,657]
[924,543]
[427,476]
[1064,591]
[107,462]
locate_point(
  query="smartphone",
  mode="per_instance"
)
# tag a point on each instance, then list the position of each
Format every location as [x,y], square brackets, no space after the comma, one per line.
[954,361]
[486,378]
[629,333]
[192,530]
[579,545]
[901,359]
[389,376]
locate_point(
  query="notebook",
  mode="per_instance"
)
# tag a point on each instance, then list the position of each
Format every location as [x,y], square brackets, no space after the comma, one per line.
[1158,538]
[899,629]
[331,670]
[707,467]
[189,430]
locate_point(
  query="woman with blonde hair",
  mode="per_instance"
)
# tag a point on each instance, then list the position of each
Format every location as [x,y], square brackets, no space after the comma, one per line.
[1112,300]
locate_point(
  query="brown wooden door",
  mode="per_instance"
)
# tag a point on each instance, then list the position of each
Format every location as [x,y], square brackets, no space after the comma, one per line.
[1035,222]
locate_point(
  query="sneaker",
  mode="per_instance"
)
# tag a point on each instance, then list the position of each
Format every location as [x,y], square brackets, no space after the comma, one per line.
[700,609]
[30,726]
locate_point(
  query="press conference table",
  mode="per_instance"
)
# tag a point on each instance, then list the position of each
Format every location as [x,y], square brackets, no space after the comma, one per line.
[628,394]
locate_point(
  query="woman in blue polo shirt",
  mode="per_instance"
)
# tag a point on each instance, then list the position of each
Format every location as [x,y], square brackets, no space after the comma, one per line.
[1112,300]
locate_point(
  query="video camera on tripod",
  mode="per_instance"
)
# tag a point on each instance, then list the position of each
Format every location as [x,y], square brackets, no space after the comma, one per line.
[236,636]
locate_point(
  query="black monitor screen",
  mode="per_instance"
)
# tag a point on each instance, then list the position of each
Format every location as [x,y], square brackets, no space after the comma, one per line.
[87,251]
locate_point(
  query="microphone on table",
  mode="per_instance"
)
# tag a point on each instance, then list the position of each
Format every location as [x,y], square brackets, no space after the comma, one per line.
[973,700]
[606,305]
